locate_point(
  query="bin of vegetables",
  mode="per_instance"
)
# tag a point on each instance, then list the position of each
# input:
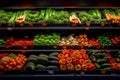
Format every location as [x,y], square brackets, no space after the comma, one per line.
[12,62]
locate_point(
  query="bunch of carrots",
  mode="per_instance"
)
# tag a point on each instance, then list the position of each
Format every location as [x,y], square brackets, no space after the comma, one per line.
[113,18]
[13,63]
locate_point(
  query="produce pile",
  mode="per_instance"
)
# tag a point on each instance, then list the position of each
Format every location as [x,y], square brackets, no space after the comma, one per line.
[55,39]
[11,61]
[42,62]
[12,42]
[112,16]
[75,60]
[104,41]
[115,40]
[104,60]
[52,16]
[47,39]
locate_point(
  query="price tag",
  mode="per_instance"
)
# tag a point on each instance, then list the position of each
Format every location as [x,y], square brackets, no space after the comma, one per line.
[9,28]
[50,71]
[87,28]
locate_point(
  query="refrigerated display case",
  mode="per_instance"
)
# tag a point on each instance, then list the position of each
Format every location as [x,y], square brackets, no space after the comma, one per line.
[60,43]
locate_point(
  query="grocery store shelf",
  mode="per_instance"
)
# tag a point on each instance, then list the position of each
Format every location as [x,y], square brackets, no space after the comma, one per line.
[55,28]
[50,50]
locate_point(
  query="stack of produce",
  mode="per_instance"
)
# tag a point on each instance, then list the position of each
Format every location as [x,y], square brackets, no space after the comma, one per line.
[83,41]
[12,61]
[113,62]
[94,43]
[100,60]
[56,17]
[92,16]
[42,62]
[12,42]
[69,41]
[115,40]
[31,17]
[75,60]
[46,39]
[112,16]
[7,17]
[104,41]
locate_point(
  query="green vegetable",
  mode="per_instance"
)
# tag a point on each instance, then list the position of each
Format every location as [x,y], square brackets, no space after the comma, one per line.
[101,60]
[40,67]
[12,55]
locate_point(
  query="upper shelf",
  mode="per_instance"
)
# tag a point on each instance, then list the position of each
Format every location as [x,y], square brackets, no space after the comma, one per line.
[56,28]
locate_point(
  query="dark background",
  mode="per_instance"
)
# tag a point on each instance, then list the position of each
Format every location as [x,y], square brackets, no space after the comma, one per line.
[63,3]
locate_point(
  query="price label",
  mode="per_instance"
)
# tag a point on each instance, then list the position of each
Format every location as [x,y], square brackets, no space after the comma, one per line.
[9,28]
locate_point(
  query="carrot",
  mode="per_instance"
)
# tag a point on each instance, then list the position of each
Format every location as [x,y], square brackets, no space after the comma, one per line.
[107,17]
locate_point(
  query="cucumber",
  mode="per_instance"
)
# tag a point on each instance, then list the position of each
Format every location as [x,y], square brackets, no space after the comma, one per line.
[93,58]
[52,67]
[101,60]
[34,60]
[33,56]
[53,58]
[117,59]
[54,54]
[53,62]
[41,60]
[97,65]
[40,67]
[107,68]
[105,65]
[43,55]
[30,66]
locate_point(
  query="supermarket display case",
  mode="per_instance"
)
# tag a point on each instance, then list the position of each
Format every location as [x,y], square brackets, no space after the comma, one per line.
[44,36]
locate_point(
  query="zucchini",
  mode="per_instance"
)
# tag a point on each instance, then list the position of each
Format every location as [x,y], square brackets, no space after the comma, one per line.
[52,67]
[97,65]
[54,54]
[43,55]
[53,58]
[40,67]
[53,62]
[93,58]
[30,66]
[33,56]
[41,60]
[117,59]
[101,60]
[107,68]
[105,65]
[34,60]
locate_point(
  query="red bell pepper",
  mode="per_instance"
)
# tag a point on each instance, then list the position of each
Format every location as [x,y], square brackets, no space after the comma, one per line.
[70,67]
[112,61]
[69,60]
[60,56]
[63,67]
[108,56]
[114,66]
[78,67]
[87,62]
[75,61]
[84,67]
[81,61]
[91,67]
[85,56]
[62,61]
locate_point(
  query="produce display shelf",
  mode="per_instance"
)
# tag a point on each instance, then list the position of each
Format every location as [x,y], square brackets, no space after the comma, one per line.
[56,28]
[50,50]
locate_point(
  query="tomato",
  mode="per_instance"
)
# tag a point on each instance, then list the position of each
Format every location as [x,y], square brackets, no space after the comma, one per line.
[81,61]
[91,67]
[114,66]
[69,60]
[85,56]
